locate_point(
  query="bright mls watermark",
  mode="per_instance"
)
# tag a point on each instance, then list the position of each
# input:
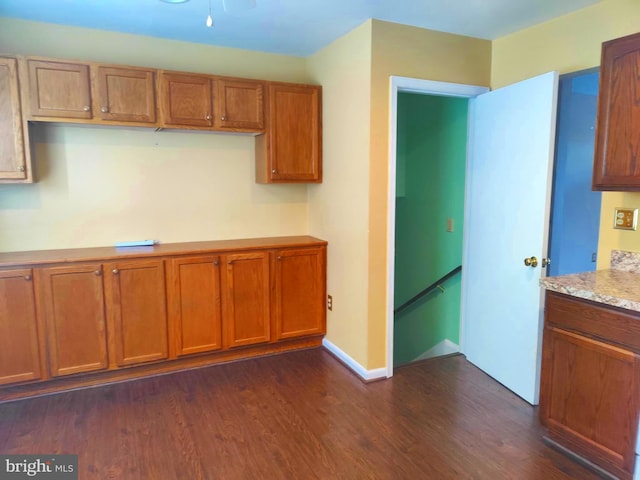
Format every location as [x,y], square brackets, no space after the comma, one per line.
[49,467]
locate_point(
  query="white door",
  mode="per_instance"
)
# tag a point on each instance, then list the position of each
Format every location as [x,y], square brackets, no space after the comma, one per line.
[507,204]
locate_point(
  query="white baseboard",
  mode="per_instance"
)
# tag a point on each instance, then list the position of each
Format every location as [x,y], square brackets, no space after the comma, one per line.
[445,347]
[362,372]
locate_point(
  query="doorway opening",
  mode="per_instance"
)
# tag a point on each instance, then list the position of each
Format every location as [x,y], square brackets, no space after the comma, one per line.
[400,86]
[575,208]
[430,185]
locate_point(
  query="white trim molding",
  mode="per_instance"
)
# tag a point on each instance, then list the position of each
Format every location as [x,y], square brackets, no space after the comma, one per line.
[426,87]
[366,375]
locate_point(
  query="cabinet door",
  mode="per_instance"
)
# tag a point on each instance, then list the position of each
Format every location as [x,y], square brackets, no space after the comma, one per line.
[300,292]
[246,299]
[58,89]
[73,308]
[12,152]
[590,398]
[616,161]
[19,344]
[194,299]
[136,309]
[294,143]
[186,100]
[240,104]
[126,94]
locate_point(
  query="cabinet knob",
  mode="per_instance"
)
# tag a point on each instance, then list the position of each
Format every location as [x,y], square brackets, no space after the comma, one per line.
[207,117]
[98,272]
[21,168]
[115,271]
[223,118]
[274,171]
[27,278]
[279,257]
[104,109]
[229,262]
[216,263]
[86,108]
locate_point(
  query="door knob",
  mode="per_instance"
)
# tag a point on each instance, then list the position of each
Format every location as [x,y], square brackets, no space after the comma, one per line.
[531,262]
[546,262]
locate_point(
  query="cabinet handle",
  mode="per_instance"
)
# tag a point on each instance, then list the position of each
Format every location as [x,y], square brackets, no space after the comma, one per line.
[207,117]
[86,108]
[21,168]
[98,272]
[115,271]
[27,278]
[104,109]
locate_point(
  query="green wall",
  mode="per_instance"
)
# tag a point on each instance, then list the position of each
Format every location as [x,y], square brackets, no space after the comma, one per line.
[431,157]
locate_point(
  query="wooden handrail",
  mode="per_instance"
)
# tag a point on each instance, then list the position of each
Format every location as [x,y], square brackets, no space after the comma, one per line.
[428,290]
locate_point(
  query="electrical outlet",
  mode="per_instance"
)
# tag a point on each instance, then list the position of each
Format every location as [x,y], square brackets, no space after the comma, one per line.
[329,302]
[625,218]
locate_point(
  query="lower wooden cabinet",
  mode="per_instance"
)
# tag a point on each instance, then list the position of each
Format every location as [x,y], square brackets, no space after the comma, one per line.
[590,385]
[72,304]
[194,300]
[300,292]
[88,316]
[20,350]
[136,308]
[246,301]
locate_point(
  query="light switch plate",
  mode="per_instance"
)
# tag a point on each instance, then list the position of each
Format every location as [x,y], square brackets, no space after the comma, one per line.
[625,218]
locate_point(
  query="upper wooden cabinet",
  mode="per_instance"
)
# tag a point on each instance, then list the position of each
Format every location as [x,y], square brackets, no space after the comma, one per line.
[20,349]
[617,153]
[126,94]
[14,164]
[59,89]
[187,100]
[286,117]
[240,104]
[291,149]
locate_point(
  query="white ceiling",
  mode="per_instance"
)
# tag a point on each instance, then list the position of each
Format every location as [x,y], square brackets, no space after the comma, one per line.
[293,27]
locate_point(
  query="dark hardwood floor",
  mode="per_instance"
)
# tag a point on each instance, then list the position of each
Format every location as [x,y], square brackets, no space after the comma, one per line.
[299,415]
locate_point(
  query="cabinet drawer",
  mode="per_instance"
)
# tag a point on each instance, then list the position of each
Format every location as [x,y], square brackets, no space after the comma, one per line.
[590,318]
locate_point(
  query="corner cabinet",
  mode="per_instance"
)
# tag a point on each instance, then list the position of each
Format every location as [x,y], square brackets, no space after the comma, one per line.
[590,382]
[617,151]
[291,149]
[14,147]
[79,317]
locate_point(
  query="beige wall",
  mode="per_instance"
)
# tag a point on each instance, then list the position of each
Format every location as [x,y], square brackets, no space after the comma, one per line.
[408,52]
[338,208]
[99,185]
[350,208]
[568,44]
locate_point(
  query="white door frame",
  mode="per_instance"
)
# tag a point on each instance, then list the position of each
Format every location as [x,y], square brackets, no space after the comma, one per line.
[425,87]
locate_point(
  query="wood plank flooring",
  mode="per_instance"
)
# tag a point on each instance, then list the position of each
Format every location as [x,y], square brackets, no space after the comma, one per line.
[298,415]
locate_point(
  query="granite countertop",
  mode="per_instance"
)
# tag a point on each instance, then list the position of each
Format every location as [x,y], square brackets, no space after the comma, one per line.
[618,286]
